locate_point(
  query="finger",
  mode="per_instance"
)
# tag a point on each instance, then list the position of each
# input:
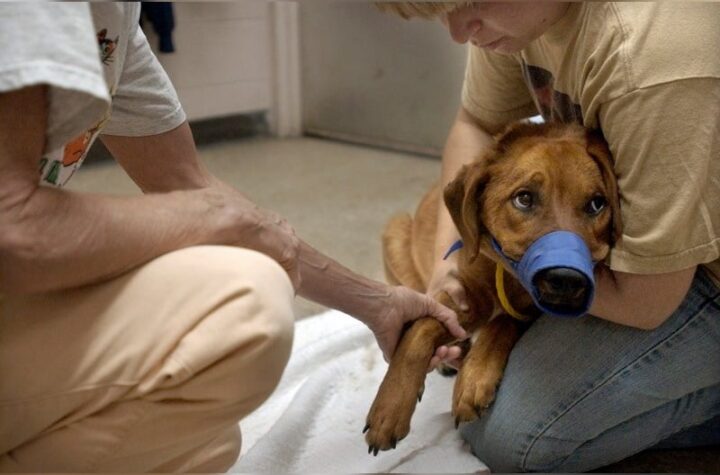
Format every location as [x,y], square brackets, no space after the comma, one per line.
[447,317]
[458,295]
[441,353]
[453,353]
[453,363]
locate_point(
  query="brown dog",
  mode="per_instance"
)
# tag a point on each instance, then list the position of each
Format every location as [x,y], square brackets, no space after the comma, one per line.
[537,179]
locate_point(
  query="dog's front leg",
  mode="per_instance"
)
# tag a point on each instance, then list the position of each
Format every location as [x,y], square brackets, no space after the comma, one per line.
[389,418]
[483,367]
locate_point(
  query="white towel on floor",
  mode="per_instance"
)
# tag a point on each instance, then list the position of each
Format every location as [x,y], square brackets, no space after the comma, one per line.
[313,421]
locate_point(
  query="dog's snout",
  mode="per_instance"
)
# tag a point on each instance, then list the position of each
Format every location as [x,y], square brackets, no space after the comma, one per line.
[563,280]
[562,289]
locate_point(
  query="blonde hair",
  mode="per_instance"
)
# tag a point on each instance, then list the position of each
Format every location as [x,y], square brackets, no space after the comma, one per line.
[426,10]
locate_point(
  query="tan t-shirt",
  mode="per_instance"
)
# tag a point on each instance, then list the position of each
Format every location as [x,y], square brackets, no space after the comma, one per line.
[648,75]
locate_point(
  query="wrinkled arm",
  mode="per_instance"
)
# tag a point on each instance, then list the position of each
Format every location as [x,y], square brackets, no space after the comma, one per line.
[54,239]
[170,161]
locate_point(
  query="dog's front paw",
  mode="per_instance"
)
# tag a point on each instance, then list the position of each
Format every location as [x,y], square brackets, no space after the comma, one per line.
[388,421]
[472,395]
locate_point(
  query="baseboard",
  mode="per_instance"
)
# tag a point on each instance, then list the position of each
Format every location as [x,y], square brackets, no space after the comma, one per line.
[385,144]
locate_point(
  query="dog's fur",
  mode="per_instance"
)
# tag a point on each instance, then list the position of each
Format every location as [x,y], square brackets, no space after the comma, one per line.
[564,166]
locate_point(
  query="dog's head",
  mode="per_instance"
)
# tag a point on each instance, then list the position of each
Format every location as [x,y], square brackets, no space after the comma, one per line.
[535,180]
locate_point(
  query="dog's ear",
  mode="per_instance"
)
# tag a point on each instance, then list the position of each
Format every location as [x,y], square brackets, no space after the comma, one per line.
[598,149]
[462,199]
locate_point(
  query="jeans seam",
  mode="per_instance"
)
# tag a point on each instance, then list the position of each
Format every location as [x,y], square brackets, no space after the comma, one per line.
[691,321]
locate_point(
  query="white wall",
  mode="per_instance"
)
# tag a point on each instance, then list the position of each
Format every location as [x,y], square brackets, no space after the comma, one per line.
[358,74]
[373,77]
[223,59]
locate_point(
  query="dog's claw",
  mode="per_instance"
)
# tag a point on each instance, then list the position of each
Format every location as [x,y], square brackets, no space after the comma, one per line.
[367,427]
[370,449]
[393,442]
[457,422]
[375,451]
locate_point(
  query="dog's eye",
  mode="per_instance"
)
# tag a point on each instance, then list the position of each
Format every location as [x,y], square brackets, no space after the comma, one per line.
[523,200]
[595,205]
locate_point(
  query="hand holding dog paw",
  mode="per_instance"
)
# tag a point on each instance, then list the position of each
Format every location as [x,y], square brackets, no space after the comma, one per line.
[406,305]
[447,355]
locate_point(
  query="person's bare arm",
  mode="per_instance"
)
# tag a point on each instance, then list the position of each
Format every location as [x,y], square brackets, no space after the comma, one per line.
[465,142]
[640,301]
[169,161]
[53,239]
[160,163]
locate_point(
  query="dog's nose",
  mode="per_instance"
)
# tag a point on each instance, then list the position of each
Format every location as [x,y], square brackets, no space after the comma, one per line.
[563,280]
[562,289]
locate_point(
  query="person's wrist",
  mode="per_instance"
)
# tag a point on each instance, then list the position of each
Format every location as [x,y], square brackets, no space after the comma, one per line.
[222,218]
[376,304]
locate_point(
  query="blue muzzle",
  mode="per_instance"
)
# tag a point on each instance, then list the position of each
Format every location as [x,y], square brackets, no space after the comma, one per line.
[557,271]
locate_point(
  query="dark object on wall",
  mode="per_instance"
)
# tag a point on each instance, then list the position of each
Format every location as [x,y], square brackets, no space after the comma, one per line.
[160,14]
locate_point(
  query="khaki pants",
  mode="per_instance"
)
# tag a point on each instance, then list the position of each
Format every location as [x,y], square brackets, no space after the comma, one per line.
[150,371]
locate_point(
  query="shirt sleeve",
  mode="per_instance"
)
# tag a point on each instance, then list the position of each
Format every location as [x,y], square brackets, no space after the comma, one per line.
[494,91]
[665,141]
[54,44]
[145,102]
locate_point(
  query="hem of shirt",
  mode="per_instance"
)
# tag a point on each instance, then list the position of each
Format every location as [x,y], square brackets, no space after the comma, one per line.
[33,73]
[146,128]
[86,89]
[624,261]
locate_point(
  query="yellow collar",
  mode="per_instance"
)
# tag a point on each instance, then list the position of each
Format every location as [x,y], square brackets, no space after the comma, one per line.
[500,286]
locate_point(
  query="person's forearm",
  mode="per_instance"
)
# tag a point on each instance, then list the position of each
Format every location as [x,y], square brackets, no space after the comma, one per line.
[59,239]
[329,283]
[466,141]
[640,301]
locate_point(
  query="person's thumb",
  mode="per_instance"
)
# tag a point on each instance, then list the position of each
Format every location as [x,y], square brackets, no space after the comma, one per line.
[446,316]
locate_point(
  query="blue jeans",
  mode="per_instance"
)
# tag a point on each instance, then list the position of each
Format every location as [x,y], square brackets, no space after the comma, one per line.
[579,394]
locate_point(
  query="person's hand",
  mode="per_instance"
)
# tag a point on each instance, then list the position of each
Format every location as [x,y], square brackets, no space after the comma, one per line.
[448,355]
[253,227]
[445,279]
[405,305]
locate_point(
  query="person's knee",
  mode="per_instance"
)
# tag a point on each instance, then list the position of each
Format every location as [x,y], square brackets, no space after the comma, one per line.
[264,305]
[274,319]
[245,336]
[519,443]
[497,445]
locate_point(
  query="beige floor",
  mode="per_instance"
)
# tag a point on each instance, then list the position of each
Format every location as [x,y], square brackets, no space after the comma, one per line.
[337,196]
